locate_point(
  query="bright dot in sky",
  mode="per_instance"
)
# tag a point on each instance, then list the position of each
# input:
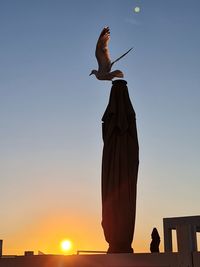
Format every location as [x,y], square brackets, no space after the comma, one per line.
[137,9]
[66,245]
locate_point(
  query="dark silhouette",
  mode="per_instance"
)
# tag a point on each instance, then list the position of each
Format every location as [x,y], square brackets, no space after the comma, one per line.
[154,246]
[119,170]
[1,248]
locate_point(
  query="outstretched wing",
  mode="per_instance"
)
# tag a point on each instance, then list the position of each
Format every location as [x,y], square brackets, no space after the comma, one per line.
[102,51]
[121,56]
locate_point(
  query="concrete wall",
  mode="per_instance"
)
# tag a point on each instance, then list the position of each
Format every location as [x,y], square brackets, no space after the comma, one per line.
[196,259]
[111,260]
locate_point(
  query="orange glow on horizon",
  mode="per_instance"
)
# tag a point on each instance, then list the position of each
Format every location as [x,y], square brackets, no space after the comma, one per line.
[46,232]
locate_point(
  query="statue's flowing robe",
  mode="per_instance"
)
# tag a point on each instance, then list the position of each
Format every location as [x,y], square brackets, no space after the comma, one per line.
[119,170]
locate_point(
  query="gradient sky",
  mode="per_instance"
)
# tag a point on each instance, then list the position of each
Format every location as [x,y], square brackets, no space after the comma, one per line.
[50,116]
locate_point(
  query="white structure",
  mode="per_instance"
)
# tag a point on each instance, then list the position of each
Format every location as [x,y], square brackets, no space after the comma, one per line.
[186,230]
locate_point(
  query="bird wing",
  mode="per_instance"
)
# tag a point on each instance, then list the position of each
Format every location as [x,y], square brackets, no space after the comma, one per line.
[121,56]
[102,51]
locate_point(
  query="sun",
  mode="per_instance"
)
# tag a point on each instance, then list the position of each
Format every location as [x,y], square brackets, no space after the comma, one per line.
[66,245]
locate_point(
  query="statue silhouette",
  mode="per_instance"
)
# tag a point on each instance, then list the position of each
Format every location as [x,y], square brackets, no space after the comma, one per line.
[154,246]
[119,170]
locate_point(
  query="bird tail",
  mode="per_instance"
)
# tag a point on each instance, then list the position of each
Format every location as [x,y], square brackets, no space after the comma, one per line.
[117,74]
[121,56]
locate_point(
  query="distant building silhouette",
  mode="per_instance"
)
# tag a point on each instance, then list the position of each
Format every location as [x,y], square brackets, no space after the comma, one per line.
[28,253]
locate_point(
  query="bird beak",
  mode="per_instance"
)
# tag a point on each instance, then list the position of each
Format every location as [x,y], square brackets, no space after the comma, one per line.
[90,74]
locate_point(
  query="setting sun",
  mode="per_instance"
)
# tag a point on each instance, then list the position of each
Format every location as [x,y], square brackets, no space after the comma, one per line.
[66,245]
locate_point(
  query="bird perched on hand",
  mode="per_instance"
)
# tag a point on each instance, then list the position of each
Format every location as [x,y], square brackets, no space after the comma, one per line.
[103,58]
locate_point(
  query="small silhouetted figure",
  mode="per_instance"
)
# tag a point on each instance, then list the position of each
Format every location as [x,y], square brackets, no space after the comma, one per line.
[154,246]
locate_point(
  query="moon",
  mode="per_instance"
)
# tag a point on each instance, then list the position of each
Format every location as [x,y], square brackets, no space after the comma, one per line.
[137,9]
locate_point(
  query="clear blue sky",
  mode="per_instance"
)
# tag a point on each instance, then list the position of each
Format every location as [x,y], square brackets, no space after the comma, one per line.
[50,116]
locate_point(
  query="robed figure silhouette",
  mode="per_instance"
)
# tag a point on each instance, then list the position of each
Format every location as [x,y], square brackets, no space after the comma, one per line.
[119,170]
